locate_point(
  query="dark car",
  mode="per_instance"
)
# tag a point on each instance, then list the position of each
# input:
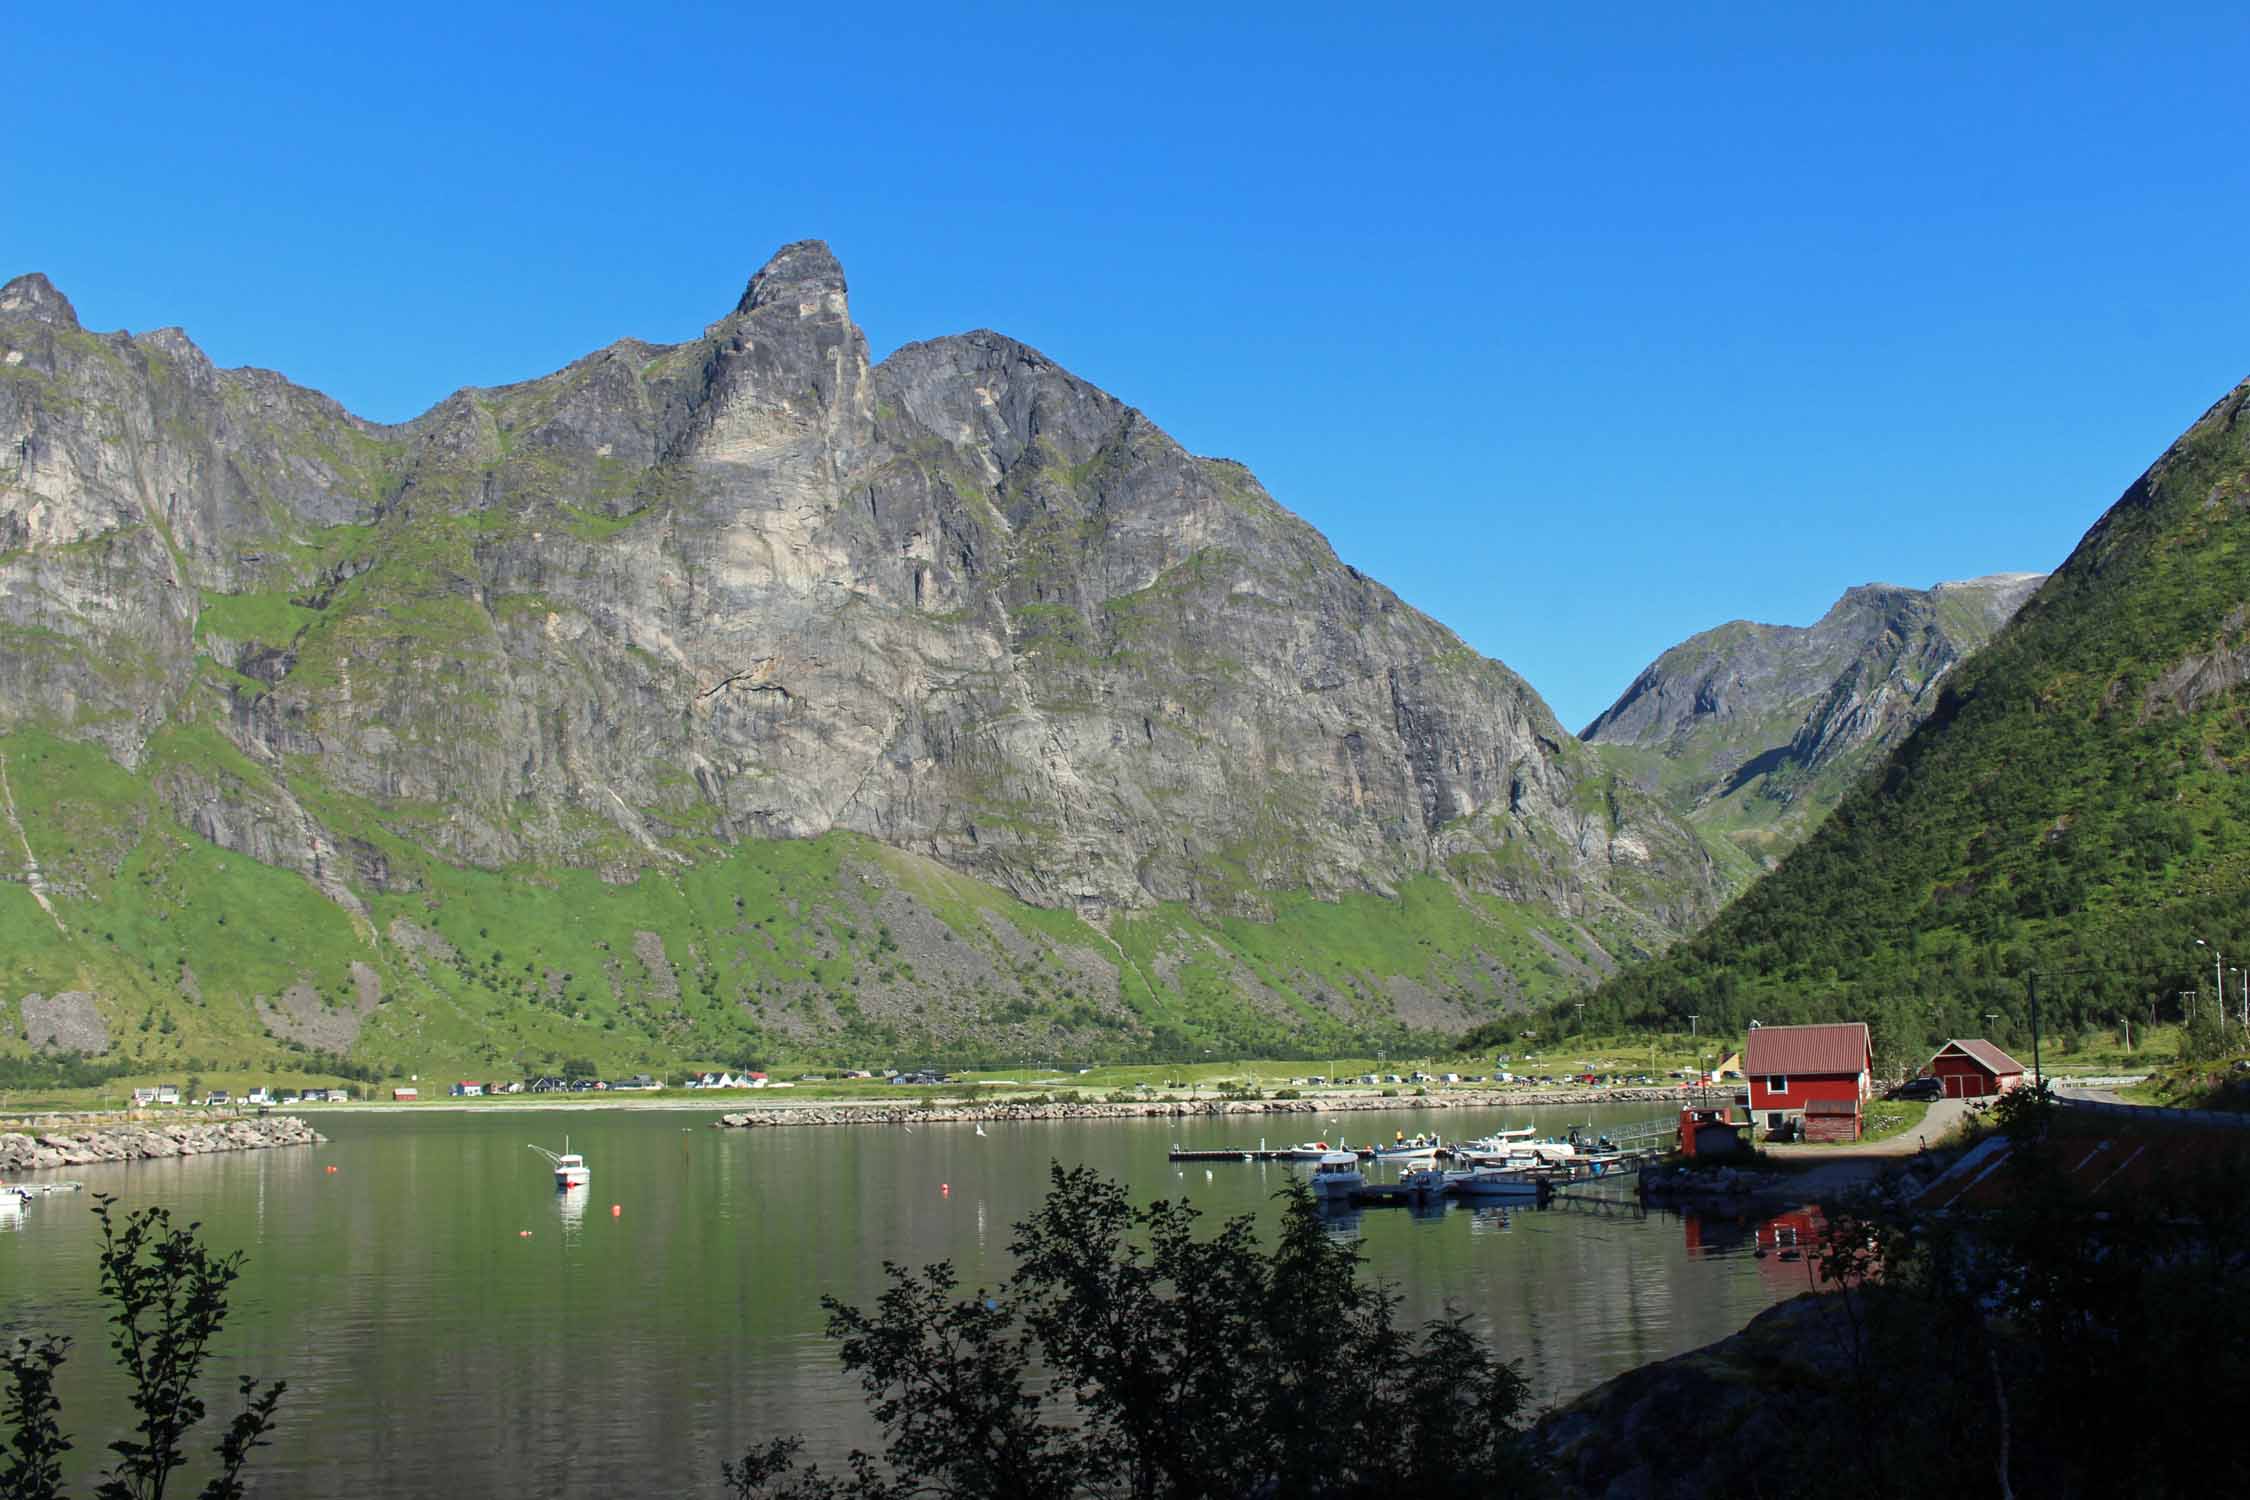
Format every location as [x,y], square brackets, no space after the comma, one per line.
[1924,1089]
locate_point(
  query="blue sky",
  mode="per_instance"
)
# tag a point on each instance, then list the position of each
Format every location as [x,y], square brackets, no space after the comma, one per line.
[1584,327]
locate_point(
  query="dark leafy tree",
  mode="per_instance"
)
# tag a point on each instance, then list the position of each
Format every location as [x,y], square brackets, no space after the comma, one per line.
[1128,1356]
[168,1296]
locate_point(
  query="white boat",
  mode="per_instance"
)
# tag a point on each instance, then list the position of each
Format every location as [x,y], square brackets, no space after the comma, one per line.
[1498,1143]
[1492,1182]
[1421,1148]
[570,1167]
[1304,1151]
[1336,1177]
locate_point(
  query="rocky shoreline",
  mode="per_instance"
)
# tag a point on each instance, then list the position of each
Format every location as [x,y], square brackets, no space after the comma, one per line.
[131,1142]
[885,1112]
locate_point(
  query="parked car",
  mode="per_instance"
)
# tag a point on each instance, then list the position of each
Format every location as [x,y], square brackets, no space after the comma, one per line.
[1924,1089]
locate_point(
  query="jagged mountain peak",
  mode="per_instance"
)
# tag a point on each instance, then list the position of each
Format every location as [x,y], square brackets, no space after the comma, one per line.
[34,296]
[1761,728]
[805,273]
[673,602]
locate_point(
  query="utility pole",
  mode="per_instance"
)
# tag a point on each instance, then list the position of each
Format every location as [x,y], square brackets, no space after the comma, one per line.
[2127,1023]
[1691,1020]
[2218,977]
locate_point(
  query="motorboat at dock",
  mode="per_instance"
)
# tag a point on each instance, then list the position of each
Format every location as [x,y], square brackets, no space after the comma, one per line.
[1422,1148]
[1493,1182]
[1336,1177]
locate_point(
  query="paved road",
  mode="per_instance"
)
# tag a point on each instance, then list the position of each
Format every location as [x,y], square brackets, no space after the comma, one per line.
[1840,1167]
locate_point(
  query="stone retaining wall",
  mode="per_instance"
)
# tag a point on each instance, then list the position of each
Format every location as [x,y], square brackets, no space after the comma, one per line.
[31,1153]
[905,1113]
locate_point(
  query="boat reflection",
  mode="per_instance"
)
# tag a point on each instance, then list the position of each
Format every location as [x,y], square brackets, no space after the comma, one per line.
[1492,1219]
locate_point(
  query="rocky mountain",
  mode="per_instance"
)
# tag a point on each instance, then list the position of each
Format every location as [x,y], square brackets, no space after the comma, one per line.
[2075,806]
[1755,731]
[731,655]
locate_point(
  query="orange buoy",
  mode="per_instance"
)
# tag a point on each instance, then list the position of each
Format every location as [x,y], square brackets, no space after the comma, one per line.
[523,1234]
[616,1209]
[331,1169]
[945,1189]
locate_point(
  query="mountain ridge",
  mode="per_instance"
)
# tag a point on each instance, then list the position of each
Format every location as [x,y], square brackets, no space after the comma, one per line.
[2071,808]
[1755,731]
[668,602]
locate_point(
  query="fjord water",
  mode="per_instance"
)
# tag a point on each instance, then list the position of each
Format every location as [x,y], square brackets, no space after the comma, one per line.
[430,1346]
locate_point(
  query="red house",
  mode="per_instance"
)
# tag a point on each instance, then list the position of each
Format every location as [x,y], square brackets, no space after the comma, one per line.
[1790,1066]
[1974,1068]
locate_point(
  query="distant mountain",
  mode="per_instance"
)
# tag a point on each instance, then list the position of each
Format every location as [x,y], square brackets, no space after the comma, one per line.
[1756,731]
[2077,802]
[740,696]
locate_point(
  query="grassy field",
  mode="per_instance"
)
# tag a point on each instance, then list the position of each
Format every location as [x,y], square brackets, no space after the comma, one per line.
[1889,1117]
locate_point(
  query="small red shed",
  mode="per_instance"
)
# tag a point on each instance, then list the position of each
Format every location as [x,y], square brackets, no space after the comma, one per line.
[1790,1066]
[1832,1120]
[1975,1068]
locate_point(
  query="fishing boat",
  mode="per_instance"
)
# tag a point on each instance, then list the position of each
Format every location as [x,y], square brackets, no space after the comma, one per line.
[1423,1148]
[1336,1177]
[570,1167]
[1425,1183]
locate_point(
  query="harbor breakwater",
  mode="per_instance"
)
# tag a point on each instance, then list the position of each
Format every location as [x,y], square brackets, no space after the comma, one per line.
[886,1112]
[130,1142]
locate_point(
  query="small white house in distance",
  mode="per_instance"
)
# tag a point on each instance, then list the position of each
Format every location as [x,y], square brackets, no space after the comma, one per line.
[167,1093]
[258,1096]
[144,1096]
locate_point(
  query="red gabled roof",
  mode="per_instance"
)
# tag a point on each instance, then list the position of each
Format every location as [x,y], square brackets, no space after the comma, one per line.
[1841,1047]
[1978,1050]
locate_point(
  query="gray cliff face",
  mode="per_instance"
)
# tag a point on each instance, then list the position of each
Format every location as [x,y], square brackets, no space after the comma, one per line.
[1769,722]
[751,587]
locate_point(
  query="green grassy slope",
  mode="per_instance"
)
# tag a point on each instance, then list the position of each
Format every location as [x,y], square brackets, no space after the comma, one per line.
[2080,800]
[835,949]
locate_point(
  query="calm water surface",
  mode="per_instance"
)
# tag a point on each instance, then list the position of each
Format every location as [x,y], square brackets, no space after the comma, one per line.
[429,1346]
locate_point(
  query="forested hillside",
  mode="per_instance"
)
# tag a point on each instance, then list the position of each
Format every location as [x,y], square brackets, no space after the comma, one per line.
[2078,804]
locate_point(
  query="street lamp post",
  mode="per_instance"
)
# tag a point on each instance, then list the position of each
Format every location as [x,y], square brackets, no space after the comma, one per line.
[1691,1020]
[2218,977]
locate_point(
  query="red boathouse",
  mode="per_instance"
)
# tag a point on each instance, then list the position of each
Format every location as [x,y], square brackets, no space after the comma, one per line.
[1790,1066]
[1975,1068]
